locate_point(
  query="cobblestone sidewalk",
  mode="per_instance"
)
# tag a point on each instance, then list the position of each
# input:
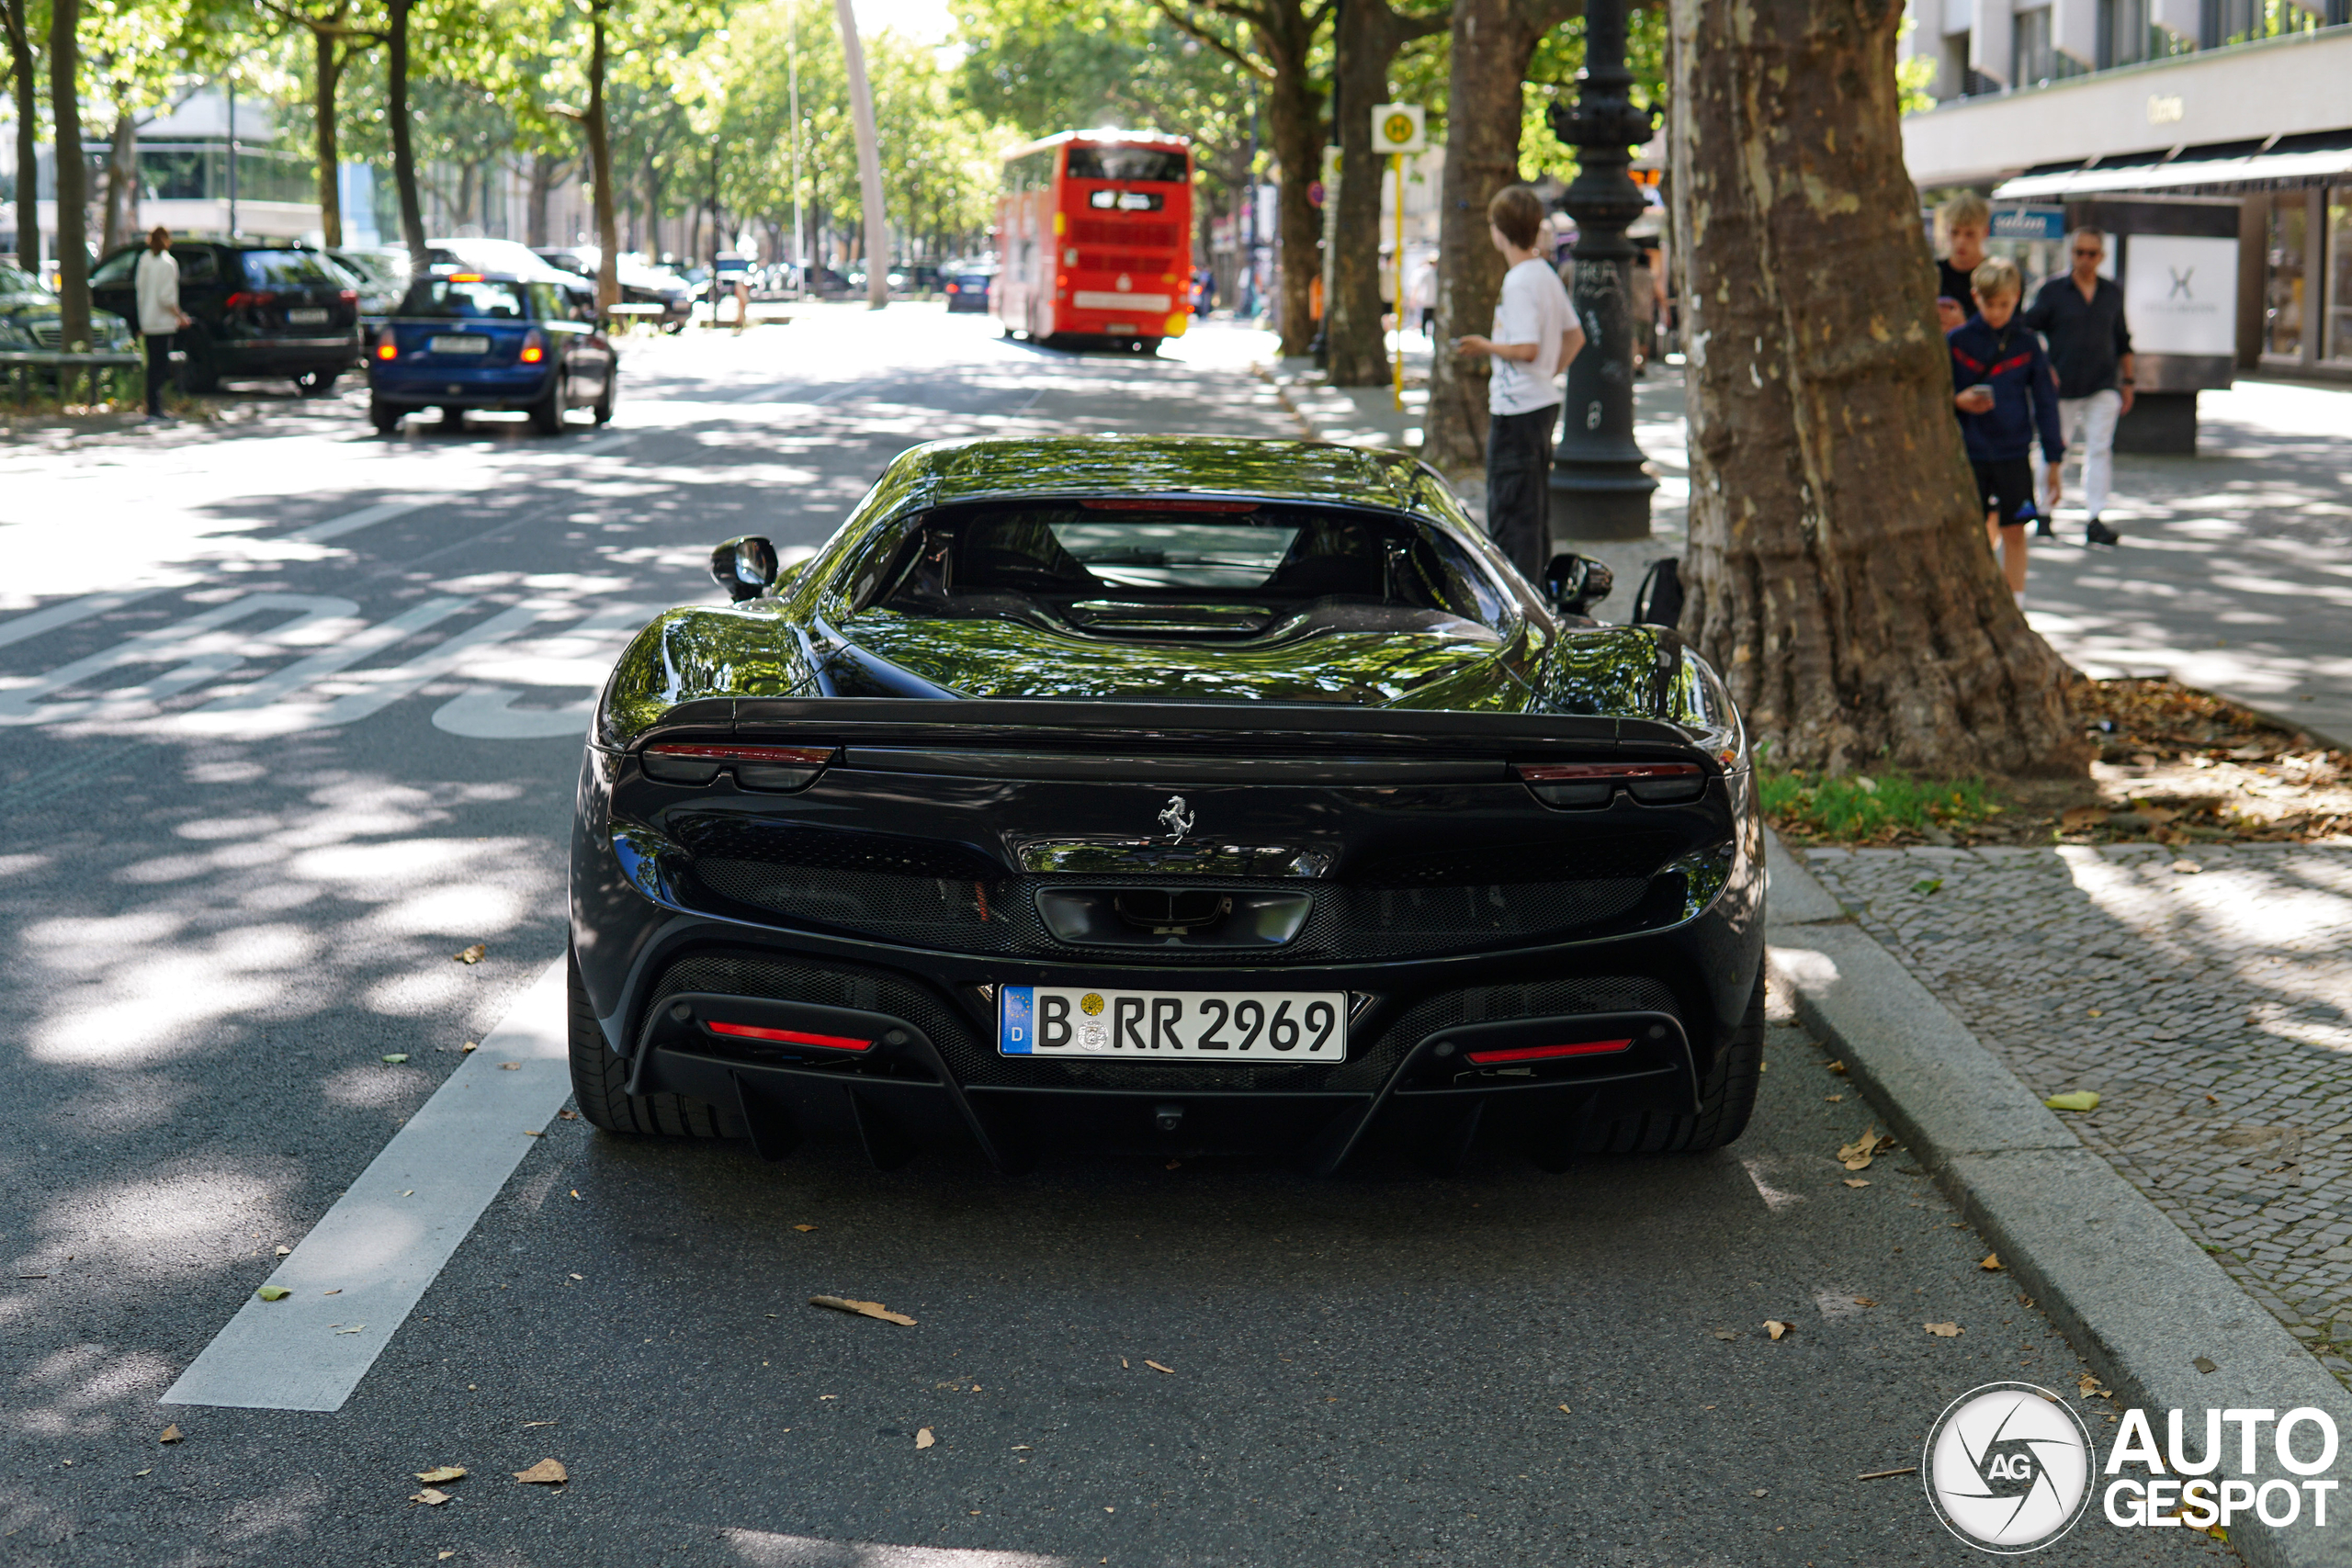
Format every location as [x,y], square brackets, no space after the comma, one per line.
[2209,1002]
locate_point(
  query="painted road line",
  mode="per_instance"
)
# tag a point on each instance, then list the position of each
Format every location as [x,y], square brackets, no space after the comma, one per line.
[387,1238]
[366,516]
[232,715]
[82,609]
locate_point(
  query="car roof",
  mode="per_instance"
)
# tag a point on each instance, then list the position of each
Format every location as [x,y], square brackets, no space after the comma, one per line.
[1313,471]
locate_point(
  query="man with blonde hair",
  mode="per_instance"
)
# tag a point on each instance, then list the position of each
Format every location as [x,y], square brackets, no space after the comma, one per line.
[1963,223]
[2005,395]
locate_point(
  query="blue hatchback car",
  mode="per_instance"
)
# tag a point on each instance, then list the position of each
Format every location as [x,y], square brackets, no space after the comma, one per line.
[486,340]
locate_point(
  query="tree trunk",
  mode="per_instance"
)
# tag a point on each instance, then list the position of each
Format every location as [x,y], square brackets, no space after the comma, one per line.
[869,161]
[1295,129]
[327,76]
[600,168]
[16,18]
[1837,573]
[1370,36]
[1493,41]
[545,167]
[403,149]
[72,175]
[122,183]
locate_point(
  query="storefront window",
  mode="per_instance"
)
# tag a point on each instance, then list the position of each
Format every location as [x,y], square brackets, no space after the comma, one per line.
[2339,273]
[2282,285]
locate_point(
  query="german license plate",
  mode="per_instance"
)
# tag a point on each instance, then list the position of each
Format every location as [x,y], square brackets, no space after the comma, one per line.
[459,344]
[308,315]
[1173,1026]
[1118,329]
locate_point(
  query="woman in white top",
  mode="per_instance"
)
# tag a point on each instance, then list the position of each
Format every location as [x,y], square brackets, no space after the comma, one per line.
[155,285]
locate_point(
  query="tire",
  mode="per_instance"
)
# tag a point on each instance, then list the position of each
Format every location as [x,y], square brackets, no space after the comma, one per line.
[384,417]
[547,414]
[598,1073]
[1726,1099]
[199,373]
[316,383]
[603,405]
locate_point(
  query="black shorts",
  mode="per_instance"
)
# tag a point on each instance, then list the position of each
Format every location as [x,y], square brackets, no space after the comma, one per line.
[2007,489]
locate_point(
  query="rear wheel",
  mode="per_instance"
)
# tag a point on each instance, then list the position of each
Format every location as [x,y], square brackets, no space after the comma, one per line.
[599,1073]
[385,418]
[1726,1099]
[200,372]
[603,406]
[315,383]
[547,414]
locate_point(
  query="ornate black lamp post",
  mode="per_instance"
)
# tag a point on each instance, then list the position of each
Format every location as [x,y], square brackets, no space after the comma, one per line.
[1598,490]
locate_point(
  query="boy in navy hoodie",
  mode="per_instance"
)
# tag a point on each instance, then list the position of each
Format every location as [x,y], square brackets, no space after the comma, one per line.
[2005,393]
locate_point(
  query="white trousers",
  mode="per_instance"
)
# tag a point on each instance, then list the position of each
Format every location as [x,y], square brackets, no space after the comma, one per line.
[2088,426]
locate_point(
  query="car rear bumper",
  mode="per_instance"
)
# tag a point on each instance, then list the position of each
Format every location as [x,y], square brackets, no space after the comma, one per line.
[492,387]
[933,1073]
[285,356]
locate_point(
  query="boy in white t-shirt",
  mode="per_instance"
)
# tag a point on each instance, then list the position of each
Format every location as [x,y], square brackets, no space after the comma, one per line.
[1535,336]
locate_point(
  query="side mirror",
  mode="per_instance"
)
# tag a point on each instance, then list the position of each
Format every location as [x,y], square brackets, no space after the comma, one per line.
[745,566]
[1575,583]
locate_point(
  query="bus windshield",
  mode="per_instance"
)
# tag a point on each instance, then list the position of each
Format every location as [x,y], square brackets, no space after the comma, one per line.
[1127,164]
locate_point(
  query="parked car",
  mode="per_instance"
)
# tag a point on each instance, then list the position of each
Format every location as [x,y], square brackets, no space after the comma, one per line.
[967,287]
[1163,791]
[640,284]
[383,275]
[469,340]
[31,319]
[509,258]
[261,312]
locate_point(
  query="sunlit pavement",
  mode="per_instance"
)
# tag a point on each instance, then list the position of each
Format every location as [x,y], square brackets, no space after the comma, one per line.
[290,715]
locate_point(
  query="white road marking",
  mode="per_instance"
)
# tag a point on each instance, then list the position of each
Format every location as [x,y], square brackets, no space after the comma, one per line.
[352,522]
[72,610]
[387,1239]
[763,1549]
[238,714]
[207,658]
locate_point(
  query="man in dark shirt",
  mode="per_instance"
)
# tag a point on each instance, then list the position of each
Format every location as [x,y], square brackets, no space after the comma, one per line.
[2081,314]
[1966,219]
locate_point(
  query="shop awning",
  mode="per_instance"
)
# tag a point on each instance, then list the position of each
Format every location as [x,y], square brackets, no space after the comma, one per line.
[2190,166]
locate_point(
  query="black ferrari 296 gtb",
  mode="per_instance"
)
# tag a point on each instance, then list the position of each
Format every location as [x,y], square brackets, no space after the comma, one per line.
[1166,792]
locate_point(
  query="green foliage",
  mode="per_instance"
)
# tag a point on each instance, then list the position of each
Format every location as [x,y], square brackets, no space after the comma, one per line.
[1858,809]
[1551,78]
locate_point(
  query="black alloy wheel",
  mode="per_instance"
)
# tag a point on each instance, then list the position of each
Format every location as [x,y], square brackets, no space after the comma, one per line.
[316,383]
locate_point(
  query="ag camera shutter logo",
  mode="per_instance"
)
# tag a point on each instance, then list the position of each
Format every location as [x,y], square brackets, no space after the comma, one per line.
[2008,1468]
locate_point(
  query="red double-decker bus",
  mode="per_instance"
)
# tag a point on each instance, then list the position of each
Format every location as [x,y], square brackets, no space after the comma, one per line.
[1094,238]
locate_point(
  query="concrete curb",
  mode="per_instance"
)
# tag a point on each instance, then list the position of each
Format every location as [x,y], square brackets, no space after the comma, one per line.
[2137,1298]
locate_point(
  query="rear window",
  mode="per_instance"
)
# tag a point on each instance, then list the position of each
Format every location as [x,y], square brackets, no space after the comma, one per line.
[1125,163]
[197,265]
[442,299]
[292,269]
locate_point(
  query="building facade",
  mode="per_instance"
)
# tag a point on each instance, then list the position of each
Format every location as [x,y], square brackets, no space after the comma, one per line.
[2178,120]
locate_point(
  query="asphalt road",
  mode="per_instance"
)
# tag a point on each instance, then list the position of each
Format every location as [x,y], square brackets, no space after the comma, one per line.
[240,855]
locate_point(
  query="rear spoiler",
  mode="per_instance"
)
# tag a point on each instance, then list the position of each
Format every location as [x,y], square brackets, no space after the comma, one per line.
[1255,728]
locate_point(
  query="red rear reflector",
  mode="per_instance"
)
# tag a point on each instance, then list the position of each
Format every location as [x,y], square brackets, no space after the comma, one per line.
[780,756]
[792,1036]
[534,348]
[1539,1052]
[1561,772]
[385,349]
[465,278]
[1142,504]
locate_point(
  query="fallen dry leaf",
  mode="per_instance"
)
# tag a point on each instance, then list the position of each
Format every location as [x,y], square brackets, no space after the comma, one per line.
[2075,819]
[568,1115]
[1565,1410]
[923,1439]
[2089,1387]
[1943,1330]
[444,1556]
[397,1057]
[1838,1067]
[1727,1334]
[169,1435]
[1864,1302]
[528,1425]
[546,1472]
[285,1252]
[273,1292]
[1991,1263]
[2204,1363]
[803,1229]
[510,1067]
[1833,1099]
[1156,1367]
[862,1309]
[441,1473]
[353,1329]
[1856,1182]
[137,1473]
[2185,867]
[471,955]
[2078,1099]
[432,1497]
[1858,1154]
[1776,1328]
[470,1045]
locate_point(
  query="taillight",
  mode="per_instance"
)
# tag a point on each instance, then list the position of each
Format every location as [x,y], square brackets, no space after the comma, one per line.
[756,767]
[1539,1053]
[241,300]
[386,349]
[1592,784]
[790,1036]
[348,296]
[534,348]
[952,289]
